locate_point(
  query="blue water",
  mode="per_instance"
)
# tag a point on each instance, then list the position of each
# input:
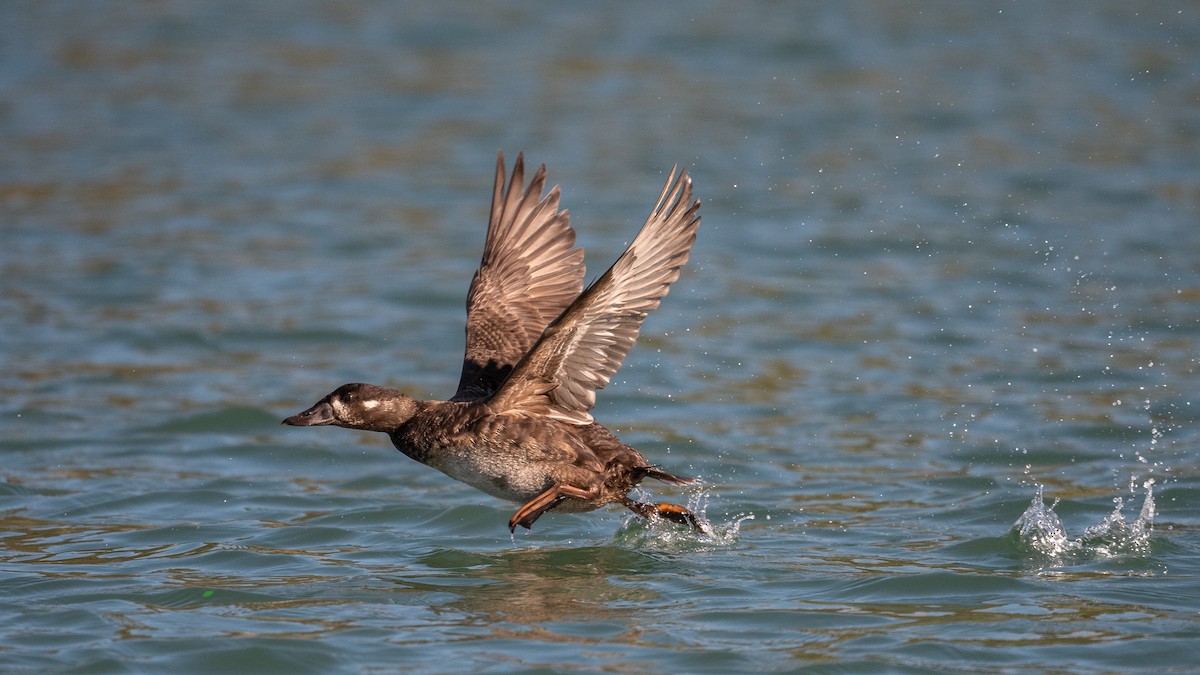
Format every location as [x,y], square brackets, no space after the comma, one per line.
[935,356]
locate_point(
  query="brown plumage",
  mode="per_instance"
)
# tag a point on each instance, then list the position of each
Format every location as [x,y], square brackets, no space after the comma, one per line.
[538,348]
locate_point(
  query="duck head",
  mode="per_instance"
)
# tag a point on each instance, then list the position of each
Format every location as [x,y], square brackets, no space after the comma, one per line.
[359,406]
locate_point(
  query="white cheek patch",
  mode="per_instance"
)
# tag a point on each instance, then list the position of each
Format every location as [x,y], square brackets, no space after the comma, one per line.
[371,404]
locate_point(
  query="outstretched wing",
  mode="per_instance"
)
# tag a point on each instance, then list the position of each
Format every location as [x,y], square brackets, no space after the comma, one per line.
[530,271]
[582,349]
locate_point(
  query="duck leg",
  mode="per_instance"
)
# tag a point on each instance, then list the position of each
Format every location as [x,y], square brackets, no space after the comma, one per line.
[534,508]
[671,512]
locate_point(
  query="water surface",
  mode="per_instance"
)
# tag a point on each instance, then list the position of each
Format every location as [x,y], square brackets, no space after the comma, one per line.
[947,265]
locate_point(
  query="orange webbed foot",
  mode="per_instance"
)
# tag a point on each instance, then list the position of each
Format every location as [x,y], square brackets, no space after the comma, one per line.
[671,512]
[534,508]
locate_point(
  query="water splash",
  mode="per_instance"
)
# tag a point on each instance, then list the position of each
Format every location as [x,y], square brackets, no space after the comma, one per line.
[1113,537]
[1040,531]
[659,534]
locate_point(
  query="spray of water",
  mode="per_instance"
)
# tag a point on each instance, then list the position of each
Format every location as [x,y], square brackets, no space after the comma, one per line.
[659,534]
[1040,532]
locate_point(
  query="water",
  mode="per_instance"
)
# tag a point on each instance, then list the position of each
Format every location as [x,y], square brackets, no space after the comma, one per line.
[946,278]
[1040,532]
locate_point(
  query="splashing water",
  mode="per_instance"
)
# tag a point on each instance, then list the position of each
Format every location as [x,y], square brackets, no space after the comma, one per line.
[1040,531]
[1113,536]
[656,533]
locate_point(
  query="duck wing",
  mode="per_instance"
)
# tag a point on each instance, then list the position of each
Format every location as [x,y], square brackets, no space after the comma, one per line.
[580,351]
[529,273]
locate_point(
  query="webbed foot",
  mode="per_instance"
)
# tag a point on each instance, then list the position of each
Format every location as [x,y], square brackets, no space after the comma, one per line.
[534,508]
[671,512]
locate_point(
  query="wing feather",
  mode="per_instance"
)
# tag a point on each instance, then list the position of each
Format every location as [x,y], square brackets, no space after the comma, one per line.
[581,350]
[530,271]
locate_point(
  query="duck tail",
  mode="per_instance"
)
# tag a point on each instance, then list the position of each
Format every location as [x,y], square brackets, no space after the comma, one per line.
[654,472]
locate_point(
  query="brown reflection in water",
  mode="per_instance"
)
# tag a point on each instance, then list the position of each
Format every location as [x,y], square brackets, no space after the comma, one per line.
[31,540]
[526,593]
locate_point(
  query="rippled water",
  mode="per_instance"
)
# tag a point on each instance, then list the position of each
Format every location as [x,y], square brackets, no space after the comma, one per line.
[934,357]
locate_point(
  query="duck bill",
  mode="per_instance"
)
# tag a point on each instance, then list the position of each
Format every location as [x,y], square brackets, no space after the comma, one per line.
[318,415]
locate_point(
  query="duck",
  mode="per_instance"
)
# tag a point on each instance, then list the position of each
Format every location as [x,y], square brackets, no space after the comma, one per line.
[538,347]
